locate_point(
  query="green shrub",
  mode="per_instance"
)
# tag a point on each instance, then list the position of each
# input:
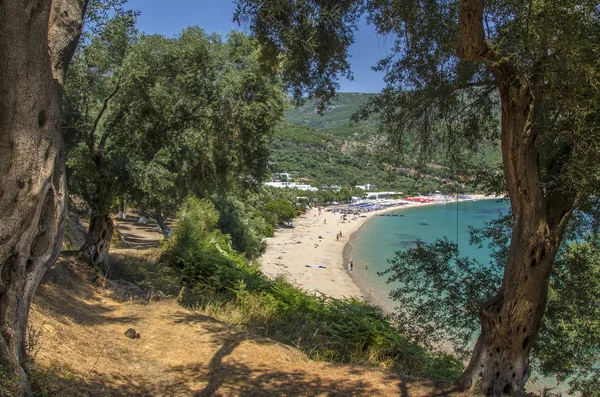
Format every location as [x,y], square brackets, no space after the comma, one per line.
[201,253]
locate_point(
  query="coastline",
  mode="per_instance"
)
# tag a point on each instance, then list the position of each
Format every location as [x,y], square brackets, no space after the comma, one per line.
[296,253]
[360,282]
[364,287]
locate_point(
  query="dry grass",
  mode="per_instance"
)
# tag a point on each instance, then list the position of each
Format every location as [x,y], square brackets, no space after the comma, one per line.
[84,351]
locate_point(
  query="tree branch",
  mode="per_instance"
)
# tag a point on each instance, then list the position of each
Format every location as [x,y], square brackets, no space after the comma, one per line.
[99,117]
[89,140]
[108,130]
[472,45]
[64,29]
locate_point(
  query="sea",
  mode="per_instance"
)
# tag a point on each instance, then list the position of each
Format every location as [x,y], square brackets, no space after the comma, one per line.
[381,236]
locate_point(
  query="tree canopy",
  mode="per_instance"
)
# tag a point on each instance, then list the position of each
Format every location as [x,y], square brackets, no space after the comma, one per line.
[155,119]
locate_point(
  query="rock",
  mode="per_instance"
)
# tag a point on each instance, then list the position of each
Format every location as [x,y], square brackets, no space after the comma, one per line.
[130,333]
[122,290]
[156,295]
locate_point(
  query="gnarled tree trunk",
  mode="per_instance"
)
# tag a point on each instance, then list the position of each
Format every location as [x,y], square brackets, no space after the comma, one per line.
[100,233]
[101,228]
[37,40]
[122,209]
[510,321]
[160,219]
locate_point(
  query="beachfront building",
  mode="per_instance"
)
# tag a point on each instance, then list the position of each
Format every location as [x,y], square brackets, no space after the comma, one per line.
[366,187]
[382,195]
[291,185]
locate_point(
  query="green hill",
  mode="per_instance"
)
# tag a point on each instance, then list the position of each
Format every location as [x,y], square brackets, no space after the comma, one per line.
[337,113]
[329,150]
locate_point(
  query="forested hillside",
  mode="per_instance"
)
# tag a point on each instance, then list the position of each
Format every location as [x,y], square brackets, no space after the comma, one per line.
[330,149]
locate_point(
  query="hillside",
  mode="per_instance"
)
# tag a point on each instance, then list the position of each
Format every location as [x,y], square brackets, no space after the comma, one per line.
[337,113]
[81,350]
[329,149]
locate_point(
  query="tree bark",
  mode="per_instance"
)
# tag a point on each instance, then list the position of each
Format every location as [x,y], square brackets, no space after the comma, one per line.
[510,321]
[37,40]
[160,219]
[100,232]
[95,250]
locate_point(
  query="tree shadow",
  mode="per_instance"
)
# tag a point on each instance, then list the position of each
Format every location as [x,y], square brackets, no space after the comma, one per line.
[139,243]
[236,378]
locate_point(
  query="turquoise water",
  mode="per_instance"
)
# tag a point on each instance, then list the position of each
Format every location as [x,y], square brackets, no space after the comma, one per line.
[382,236]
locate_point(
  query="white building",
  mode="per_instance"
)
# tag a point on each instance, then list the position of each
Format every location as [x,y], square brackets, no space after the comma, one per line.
[292,185]
[283,176]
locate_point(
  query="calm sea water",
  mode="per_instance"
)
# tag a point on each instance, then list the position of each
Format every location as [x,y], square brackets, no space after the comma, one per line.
[382,236]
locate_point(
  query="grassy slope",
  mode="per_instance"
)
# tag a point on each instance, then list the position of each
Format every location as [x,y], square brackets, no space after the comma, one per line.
[83,350]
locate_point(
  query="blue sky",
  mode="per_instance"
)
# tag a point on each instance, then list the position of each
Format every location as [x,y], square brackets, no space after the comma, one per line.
[170,17]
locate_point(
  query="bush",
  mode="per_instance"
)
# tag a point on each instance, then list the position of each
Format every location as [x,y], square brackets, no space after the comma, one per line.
[282,209]
[245,225]
[201,253]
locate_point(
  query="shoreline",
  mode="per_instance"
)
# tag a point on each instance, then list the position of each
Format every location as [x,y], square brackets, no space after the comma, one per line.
[310,257]
[348,250]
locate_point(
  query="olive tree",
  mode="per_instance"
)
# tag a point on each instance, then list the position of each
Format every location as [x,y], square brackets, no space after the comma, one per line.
[37,41]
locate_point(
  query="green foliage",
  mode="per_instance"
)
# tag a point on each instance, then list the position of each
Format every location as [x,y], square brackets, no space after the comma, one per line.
[336,114]
[282,210]
[201,253]
[94,107]
[322,41]
[214,119]
[440,293]
[246,226]
[158,118]
[337,152]
[569,341]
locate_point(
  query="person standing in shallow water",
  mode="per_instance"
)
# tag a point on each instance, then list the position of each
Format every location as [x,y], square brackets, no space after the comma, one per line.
[366,265]
[351,264]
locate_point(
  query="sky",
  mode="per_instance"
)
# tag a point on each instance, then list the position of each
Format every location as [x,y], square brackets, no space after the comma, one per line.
[168,18]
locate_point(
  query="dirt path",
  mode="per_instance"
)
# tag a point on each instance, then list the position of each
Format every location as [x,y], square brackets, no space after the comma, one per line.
[83,351]
[136,235]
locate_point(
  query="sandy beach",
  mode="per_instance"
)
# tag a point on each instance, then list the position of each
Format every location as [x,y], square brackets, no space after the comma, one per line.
[292,249]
